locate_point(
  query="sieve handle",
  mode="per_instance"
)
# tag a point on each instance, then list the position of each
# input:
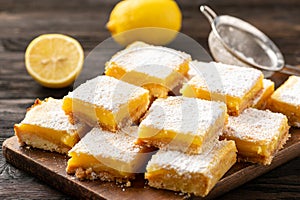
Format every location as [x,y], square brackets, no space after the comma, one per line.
[209,13]
[291,70]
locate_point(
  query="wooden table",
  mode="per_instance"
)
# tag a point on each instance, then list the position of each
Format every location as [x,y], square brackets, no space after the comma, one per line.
[21,21]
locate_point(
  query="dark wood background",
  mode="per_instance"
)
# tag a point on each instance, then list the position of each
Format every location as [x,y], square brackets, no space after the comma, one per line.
[23,20]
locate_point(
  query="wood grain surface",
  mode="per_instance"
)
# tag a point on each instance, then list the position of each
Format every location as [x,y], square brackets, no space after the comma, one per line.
[21,21]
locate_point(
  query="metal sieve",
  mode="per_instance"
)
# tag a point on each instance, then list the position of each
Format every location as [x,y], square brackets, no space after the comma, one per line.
[245,43]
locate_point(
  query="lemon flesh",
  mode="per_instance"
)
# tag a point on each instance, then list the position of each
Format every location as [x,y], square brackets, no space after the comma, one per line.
[54,60]
[129,18]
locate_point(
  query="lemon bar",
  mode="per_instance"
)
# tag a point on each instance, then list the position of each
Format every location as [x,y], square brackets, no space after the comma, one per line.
[261,100]
[182,123]
[158,69]
[237,86]
[47,127]
[258,134]
[194,174]
[286,100]
[107,102]
[108,156]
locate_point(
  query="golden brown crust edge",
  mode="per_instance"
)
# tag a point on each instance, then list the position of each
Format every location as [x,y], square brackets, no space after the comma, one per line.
[263,159]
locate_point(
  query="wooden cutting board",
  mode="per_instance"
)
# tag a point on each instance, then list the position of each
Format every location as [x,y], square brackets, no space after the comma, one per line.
[50,168]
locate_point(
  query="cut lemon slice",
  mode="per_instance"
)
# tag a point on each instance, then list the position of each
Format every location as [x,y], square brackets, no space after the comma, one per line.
[54,60]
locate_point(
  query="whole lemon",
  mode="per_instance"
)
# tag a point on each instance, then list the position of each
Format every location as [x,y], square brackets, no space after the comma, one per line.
[152,21]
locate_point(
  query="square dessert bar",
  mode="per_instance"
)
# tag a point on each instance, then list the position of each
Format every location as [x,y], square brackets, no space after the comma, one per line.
[158,69]
[258,134]
[108,156]
[194,174]
[260,102]
[107,101]
[237,86]
[286,100]
[182,123]
[47,127]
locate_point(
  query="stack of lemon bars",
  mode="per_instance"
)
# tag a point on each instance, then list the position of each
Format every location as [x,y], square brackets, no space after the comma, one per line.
[130,121]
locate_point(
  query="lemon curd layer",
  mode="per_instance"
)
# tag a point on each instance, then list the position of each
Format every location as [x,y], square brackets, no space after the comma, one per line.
[260,102]
[195,174]
[237,86]
[107,101]
[158,69]
[108,156]
[182,123]
[286,100]
[258,134]
[47,127]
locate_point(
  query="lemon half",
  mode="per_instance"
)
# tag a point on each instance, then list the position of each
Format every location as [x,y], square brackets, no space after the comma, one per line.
[54,60]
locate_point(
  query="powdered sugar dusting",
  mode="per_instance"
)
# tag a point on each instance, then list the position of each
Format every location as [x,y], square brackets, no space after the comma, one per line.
[289,92]
[255,125]
[185,115]
[49,114]
[161,61]
[118,146]
[188,164]
[107,92]
[225,79]
[193,69]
